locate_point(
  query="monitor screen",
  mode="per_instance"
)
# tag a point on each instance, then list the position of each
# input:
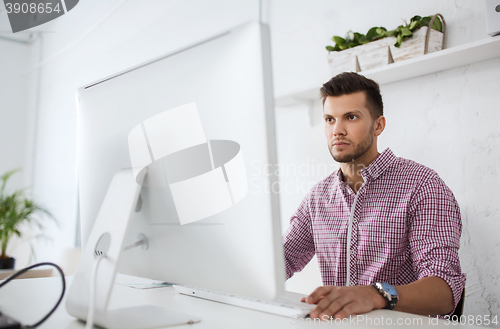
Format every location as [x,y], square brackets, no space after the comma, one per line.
[200,121]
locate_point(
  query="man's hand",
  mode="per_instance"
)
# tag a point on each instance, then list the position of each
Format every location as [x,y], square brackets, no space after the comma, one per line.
[340,302]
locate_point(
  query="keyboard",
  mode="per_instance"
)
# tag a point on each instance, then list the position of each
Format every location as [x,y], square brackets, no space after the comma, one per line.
[279,306]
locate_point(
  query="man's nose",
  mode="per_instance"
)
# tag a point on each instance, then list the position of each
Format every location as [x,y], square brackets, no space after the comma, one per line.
[339,129]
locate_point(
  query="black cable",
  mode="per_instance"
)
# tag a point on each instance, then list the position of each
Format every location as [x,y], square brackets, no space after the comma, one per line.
[24,270]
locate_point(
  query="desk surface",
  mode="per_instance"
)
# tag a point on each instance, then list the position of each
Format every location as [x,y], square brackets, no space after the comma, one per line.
[34,273]
[28,300]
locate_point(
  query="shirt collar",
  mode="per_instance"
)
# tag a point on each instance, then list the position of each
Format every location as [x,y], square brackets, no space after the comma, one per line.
[379,165]
[372,172]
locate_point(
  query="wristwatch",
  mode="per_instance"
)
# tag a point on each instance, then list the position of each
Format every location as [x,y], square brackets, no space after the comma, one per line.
[388,292]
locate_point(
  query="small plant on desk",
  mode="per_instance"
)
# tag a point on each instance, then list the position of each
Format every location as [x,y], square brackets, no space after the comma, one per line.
[17,210]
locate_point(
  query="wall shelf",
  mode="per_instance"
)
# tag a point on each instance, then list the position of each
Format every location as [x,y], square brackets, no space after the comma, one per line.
[439,61]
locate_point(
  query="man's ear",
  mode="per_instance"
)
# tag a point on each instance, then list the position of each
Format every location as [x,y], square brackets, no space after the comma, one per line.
[379,125]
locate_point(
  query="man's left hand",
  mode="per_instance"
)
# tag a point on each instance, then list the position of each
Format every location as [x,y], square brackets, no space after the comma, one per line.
[341,302]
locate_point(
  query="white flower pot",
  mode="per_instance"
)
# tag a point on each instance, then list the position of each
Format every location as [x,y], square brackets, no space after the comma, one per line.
[343,61]
[383,52]
[414,47]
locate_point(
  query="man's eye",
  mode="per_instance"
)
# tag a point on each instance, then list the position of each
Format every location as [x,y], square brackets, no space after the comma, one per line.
[328,119]
[352,117]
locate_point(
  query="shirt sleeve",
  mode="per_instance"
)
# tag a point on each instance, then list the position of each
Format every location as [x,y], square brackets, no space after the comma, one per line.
[298,243]
[434,235]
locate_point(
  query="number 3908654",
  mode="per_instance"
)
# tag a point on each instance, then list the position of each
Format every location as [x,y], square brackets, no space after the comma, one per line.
[32,8]
[471,319]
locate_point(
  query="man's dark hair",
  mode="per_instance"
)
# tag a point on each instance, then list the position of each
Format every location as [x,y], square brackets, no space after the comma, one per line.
[349,82]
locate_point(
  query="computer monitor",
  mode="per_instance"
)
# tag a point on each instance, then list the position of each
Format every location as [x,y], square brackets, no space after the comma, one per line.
[198,126]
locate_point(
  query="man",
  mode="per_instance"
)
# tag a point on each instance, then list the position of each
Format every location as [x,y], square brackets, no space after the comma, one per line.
[385,230]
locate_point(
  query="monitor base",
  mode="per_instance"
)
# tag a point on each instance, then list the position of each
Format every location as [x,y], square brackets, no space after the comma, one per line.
[99,263]
[145,317]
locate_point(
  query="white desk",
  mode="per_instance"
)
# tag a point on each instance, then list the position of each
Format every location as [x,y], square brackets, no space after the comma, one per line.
[28,300]
[34,273]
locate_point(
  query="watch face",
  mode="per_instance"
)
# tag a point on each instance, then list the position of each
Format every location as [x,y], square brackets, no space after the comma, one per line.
[390,289]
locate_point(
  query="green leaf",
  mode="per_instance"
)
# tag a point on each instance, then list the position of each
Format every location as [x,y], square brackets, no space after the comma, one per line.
[5,177]
[414,25]
[372,33]
[357,36]
[338,40]
[425,21]
[399,40]
[330,48]
[437,24]
[406,32]
[416,18]
[16,210]
[349,37]
[342,46]
[391,33]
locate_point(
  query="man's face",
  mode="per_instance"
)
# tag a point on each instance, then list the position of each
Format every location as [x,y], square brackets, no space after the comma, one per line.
[349,128]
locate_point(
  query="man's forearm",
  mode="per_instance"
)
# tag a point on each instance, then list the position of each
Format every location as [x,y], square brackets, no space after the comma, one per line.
[427,296]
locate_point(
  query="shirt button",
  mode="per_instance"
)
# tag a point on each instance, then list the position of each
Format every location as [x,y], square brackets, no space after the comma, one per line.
[353,250]
[354,220]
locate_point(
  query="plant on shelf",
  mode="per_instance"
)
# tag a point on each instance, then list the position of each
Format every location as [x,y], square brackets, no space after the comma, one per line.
[16,210]
[402,32]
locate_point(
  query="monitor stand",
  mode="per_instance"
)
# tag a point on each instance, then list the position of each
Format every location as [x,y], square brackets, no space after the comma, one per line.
[107,237]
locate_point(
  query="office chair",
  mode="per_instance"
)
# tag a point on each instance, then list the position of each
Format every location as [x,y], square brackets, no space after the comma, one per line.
[460,307]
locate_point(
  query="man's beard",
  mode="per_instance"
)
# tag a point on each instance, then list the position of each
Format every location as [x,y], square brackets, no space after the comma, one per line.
[359,150]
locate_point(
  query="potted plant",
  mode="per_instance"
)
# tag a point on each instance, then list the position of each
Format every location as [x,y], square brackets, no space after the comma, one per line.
[16,210]
[359,52]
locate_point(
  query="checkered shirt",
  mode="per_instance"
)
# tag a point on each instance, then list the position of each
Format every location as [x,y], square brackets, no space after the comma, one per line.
[404,225]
